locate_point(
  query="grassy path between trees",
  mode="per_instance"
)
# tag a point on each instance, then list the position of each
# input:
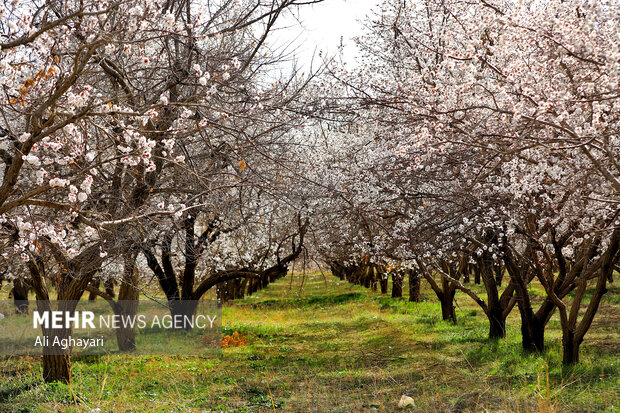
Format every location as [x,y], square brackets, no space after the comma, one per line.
[327,346]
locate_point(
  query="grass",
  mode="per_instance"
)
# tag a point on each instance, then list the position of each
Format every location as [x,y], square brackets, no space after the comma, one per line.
[326,346]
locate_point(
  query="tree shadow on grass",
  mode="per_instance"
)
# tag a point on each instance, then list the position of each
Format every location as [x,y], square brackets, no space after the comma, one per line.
[13,388]
[318,301]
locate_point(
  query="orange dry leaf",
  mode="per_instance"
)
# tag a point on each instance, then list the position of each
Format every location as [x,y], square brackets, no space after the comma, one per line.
[235,340]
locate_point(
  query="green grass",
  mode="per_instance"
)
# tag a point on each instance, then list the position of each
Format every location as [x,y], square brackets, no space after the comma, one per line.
[334,347]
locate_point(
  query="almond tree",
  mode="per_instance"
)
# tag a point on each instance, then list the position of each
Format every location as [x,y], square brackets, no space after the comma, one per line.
[492,134]
[100,100]
[505,120]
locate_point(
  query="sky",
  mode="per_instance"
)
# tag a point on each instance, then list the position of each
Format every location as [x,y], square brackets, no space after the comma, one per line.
[321,27]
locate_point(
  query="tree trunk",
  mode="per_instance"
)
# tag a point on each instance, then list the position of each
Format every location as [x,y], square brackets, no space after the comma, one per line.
[499,274]
[365,273]
[235,289]
[127,305]
[243,288]
[497,323]
[239,288]
[56,359]
[371,274]
[495,308]
[397,284]
[356,275]
[126,333]
[414,286]
[56,367]
[348,274]
[92,296]
[533,324]
[466,272]
[109,287]
[183,310]
[220,293]
[383,282]
[20,296]
[448,312]
[570,348]
[532,327]
[532,334]
[337,269]
[277,272]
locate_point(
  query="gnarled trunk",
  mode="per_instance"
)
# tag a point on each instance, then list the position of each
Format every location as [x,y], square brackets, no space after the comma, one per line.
[56,351]
[57,367]
[498,306]
[184,311]
[20,296]
[415,282]
[127,305]
[499,273]
[448,311]
[373,279]
[126,333]
[383,283]
[570,347]
[397,284]
[497,323]
[92,296]
[56,359]
[78,273]
[109,287]
[532,333]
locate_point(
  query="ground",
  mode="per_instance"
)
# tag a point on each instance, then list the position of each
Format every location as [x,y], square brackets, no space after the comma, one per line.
[318,344]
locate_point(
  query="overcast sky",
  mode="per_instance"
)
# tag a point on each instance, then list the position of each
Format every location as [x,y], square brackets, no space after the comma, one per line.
[321,26]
